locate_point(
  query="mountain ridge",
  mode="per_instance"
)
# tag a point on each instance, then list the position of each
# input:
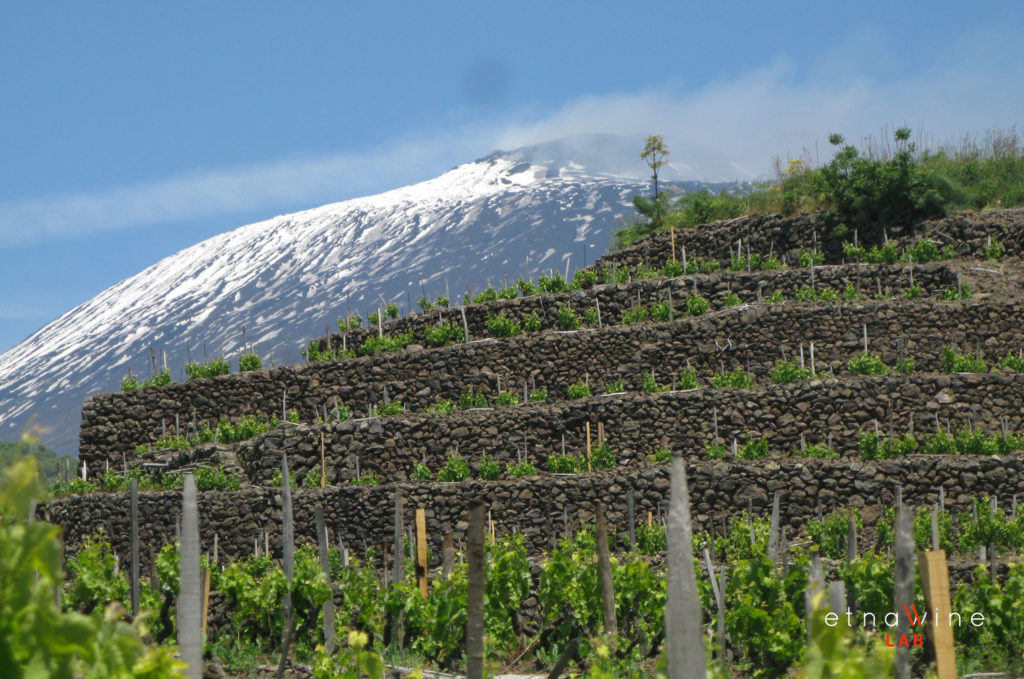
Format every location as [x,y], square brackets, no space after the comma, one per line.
[285,277]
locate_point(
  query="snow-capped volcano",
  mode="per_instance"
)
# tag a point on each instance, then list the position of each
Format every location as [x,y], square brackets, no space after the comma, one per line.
[287,278]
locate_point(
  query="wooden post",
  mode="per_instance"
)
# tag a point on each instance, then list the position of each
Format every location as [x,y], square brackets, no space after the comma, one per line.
[190,642]
[683,630]
[421,549]
[447,555]
[465,324]
[475,593]
[672,234]
[904,590]
[935,583]
[604,572]
[631,517]
[206,602]
[325,566]
[589,466]
[851,537]
[323,459]
[773,531]
[287,561]
[398,569]
[133,568]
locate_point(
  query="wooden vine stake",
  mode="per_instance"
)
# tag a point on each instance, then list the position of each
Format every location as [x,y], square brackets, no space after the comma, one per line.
[683,628]
[325,566]
[287,561]
[604,572]
[190,642]
[475,593]
[323,461]
[935,583]
[398,623]
[904,590]
[421,549]
[589,466]
[133,568]
[672,233]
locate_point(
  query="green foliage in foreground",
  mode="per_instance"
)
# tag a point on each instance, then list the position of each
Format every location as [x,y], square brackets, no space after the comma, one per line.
[37,639]
[47,462]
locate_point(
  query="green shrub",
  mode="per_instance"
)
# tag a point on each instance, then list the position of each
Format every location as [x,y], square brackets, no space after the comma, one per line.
[249,361]
[420,472]
[788,371]
[715,451]
[532,322]
[775,298]
[366,478]
[650,385]
[312,478]
[708,265]
[828,295]
[391,311]
[583,279]
[353,321]
[955,362]
[697,305]
[651,540]
[732,299]
[578,390]
[994,250]
[488,295]
[602,457]
[502,326]
[213,368]
[567,318]
[508,398]
[815,451]
[444,334]
[539,395]
[442,405]
[489,469]
[830,533]
[442,301]
[688,380]
[616,387]
[913,292]
[672,269]
[468,399]
[850,293]
[454,470]
[867,364]
[635,315]
[737,379]
[874,446]
[924,250]
[661,455]
[372,345]
[771,264]
[951,294]
[753,449]
[661,311]
[806,294]
[526,288]
[905,366]
[520,470]
[807,258]
[130,383]
[424,304]
[1014,363]
[389,409]
[509,292]
[552,284]
[566,464]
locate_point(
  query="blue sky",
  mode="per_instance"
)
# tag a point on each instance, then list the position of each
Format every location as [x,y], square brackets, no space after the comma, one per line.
[131,130]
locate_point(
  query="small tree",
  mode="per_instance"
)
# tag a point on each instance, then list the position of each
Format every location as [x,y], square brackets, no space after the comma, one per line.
[654,153]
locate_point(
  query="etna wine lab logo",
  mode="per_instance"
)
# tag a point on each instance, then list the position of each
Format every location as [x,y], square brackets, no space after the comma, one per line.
[917,623]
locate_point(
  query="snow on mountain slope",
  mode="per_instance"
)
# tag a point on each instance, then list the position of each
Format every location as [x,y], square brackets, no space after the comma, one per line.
[287,278]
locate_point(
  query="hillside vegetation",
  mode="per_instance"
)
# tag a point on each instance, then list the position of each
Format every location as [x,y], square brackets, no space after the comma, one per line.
[884,183]
[47,462]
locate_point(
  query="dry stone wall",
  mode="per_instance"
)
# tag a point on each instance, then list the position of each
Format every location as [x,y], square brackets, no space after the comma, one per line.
[536,507]
[786,236]
[614,300]
[635,426]
[749,337]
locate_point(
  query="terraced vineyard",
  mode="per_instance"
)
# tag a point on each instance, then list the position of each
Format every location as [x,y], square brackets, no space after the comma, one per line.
[775,369]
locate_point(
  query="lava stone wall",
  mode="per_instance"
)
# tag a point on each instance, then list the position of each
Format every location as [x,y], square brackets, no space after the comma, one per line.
[750,337]
[786,236]
[613,300]
[363,515]
[635,426]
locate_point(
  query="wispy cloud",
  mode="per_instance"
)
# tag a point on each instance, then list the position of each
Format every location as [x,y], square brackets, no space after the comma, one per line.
[741,122]
[232,189]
